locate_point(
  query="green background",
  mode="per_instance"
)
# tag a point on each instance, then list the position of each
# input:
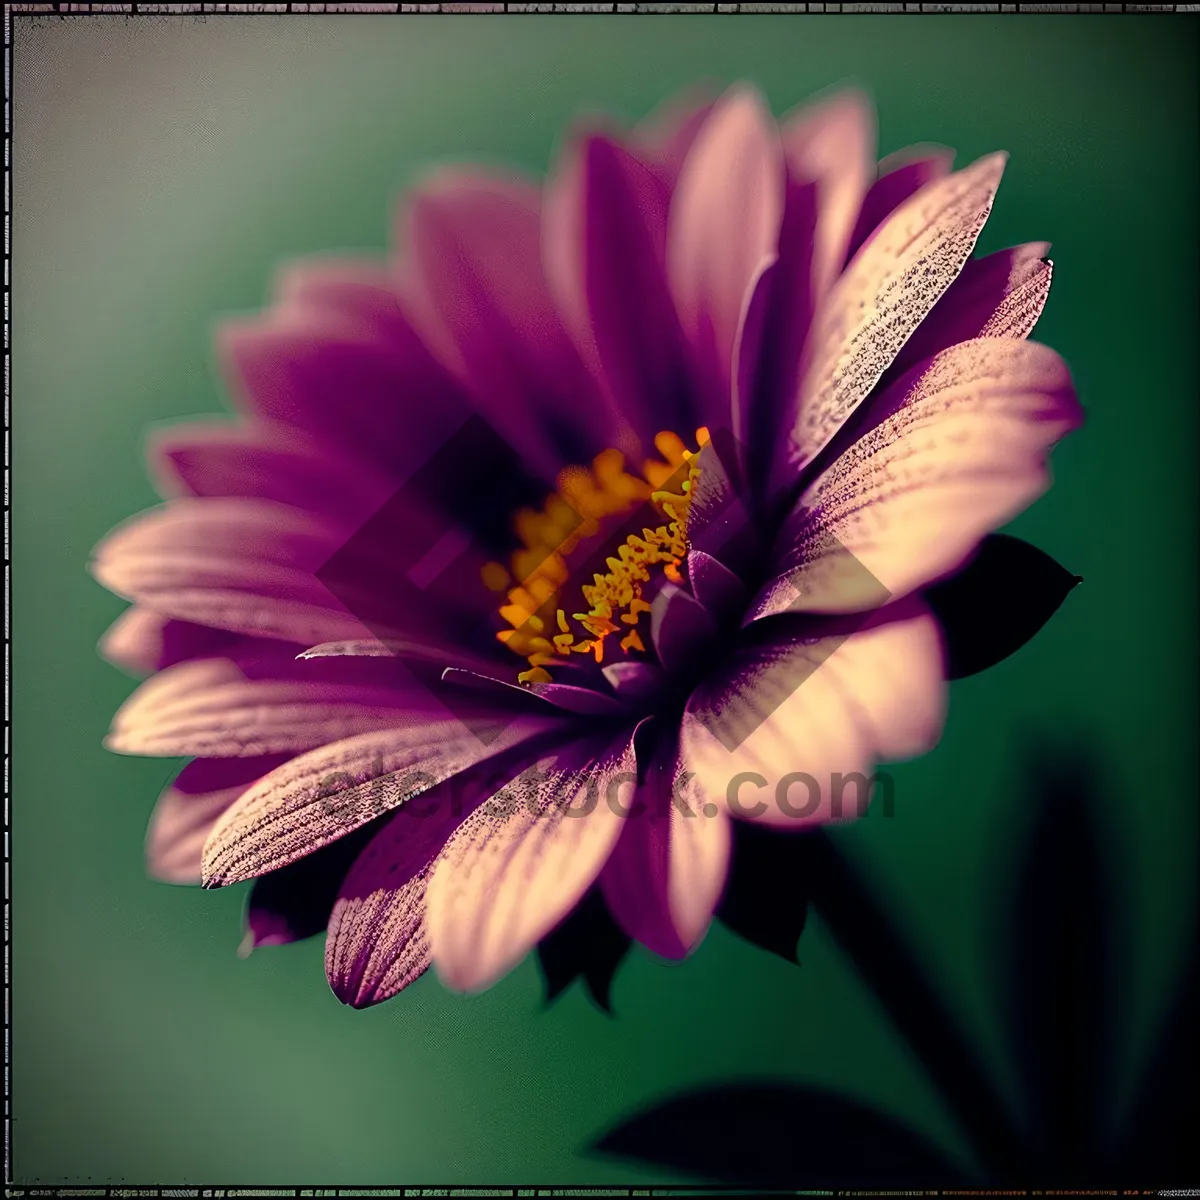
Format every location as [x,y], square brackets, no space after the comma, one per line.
[162,169]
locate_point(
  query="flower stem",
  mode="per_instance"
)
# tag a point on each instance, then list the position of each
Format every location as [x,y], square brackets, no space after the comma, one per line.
[890,967]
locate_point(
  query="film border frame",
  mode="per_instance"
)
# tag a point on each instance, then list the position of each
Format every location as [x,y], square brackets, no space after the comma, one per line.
[36,13]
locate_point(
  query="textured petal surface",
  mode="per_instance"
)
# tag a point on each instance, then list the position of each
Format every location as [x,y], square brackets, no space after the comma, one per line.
[960,449]
[881,298]
[187,811]
[377,941]
[826,704]
[522,860]
[325,794]
[999,295]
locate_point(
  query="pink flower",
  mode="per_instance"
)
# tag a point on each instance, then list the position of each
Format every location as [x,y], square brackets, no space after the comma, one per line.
[754,382]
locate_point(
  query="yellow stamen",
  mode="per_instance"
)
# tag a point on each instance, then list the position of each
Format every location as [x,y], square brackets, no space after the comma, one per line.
[631,641]
[496,577]
[576,514]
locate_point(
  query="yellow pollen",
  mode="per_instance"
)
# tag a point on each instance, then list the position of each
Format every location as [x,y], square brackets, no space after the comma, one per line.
[576,513]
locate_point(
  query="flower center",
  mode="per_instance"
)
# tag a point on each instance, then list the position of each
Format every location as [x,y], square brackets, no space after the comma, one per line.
[569,530]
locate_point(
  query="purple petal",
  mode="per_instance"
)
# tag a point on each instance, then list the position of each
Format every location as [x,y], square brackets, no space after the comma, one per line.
[680,628]
[999,295]
[221,708]
[776,319]
[832,143]
[296,901]
[239,460]
[565,696]
[472,258]
[142,641]
[664,139]
[365,385]
[377,941]
[604,250]
[901,175]
[714,585]
[802,712]
[635,681]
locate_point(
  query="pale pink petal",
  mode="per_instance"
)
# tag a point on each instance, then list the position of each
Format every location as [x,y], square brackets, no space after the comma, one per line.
[242,565]
[327,793]
[214,708]
[188,810]
[296,902]
[665,876]
[961,449]
[881,298]
[832,143]
[141,640]
[522,861]
[724,221]
[829,705]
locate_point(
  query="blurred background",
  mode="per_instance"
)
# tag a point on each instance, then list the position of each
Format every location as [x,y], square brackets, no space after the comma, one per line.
[163,168]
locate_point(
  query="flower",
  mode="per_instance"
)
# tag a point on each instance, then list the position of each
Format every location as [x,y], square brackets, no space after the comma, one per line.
[600,516]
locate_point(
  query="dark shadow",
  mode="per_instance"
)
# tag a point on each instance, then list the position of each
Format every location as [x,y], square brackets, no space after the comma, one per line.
[768,1134]
[587,945]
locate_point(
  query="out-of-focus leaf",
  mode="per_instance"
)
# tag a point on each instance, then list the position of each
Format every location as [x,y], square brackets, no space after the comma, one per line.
[1057,978]
[777,1135]
[766,897]
[1160,1147]
[588,944]
[992,607]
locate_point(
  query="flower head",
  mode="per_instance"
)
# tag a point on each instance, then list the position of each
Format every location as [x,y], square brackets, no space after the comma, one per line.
[600,516]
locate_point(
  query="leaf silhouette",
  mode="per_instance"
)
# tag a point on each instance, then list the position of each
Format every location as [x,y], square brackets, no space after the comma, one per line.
[774,1134]
[992,607]
[588,944]
[1160,1147]
[1057,984]
[765,900]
